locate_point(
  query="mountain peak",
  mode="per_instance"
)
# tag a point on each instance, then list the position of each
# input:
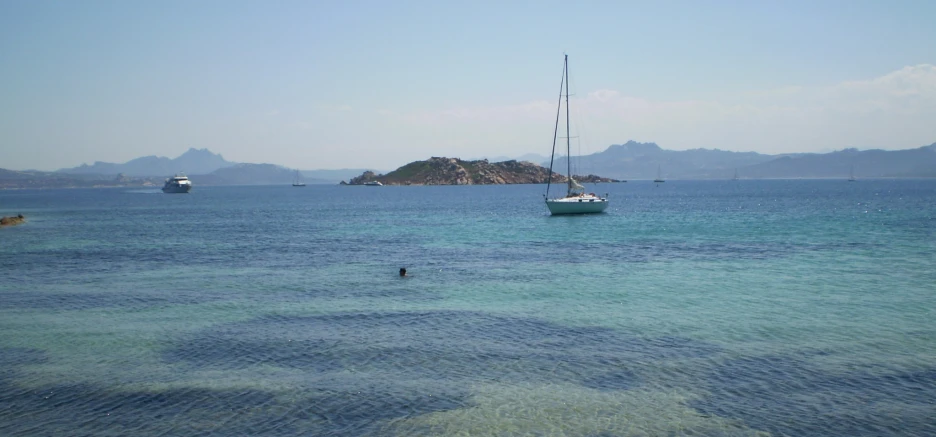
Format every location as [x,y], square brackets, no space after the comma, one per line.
[634,148]
[199,152]
[193,162]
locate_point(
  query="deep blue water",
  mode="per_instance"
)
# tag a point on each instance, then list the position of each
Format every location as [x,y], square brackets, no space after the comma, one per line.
[801,308]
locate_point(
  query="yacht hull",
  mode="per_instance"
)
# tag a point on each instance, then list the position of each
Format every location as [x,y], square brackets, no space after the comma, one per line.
[177,184]
[179,189]
[576,205]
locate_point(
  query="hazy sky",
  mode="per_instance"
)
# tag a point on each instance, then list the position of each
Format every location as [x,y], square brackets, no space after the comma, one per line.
[352,84]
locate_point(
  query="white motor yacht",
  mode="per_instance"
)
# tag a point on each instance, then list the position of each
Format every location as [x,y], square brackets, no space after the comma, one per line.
[177,184]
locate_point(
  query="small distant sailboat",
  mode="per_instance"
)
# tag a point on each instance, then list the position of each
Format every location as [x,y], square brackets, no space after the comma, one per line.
[659,177]
[297,182]
[735,175]
[576,201]
[851,174]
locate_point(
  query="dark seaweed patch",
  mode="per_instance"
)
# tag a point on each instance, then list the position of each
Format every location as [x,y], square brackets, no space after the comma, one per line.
[88,410]
[283,251]
[791,396]
[12,357]
[77,301]
[354,413]
[130,299]
[616,380]
[18,356]
[443,345]
[642,251]
[375,359]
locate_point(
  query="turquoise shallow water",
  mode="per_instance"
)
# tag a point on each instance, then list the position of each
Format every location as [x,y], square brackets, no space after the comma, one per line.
[689,308]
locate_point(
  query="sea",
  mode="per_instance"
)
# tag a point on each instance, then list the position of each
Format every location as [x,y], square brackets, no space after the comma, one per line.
[702,308]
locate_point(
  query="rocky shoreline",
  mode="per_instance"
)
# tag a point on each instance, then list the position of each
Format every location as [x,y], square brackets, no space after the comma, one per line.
[12,220]
[454,171]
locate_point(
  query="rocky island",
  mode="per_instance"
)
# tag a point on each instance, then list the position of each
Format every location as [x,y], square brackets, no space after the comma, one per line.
[454,171]
[12,220]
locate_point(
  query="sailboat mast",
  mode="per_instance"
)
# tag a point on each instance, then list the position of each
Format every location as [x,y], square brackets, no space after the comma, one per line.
[568,134]
[552,156]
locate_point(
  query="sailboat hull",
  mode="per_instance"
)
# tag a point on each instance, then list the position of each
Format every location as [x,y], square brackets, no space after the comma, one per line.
[298,181]
[577,205]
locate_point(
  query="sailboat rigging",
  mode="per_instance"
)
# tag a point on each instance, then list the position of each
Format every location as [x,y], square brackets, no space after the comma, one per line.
[576,201]
[659,177]
[297,182]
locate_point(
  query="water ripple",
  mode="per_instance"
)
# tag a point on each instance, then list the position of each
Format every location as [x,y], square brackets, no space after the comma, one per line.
[787,395]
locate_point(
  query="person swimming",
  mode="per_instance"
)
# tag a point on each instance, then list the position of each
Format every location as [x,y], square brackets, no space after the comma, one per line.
[402,271]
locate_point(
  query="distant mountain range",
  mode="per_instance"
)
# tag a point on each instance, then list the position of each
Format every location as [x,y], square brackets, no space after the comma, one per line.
[628,161]
[634,160]
[919,162]
[209,169]
[193,161]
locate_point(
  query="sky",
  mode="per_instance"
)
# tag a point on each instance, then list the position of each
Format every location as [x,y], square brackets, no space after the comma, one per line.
[331,84]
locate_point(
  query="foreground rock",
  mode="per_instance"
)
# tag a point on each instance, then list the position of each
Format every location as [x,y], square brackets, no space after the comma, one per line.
[454,171]
[13,220]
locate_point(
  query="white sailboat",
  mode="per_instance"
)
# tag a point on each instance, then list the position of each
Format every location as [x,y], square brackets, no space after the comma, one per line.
[297,182]
[735,175]
[659,177]
[575,201]
[851,174]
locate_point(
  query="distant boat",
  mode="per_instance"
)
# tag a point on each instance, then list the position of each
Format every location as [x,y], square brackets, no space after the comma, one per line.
[659,177]
[576,201]
[297,182]
[177,184]
[851,174]
[373,184]
[735,175]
